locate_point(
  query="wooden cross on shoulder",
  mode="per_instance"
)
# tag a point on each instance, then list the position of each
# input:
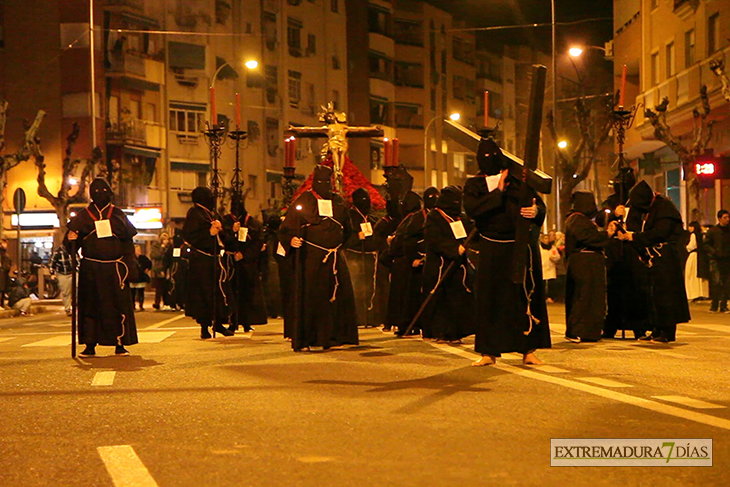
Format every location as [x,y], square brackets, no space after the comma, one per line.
[337,132]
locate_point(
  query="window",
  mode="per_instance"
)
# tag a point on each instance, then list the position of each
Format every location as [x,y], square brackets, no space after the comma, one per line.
[295,88]
[253,186]
[408,32]
[294,37]
[654,68]
[379,111]
[459,87]
[186,180]
[689,48]
[271,83]
[336,64]
[311,44]
[334,6]
[380,66]
[378,20]
[269,30]
[671,67]
[653,4]
[462,50]
[186,122]
[336,99]
[408,115]
[409,74]
[713,34]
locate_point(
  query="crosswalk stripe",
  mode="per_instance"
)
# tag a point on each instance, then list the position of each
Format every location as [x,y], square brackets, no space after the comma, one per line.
[125,467]
[553,370]
[5,339]
[688,401]
[163,323]
[105,378]
[153,336]
[720,328]
[65,340]
[599,381]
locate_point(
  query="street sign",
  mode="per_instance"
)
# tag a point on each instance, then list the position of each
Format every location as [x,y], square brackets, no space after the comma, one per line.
[19,200]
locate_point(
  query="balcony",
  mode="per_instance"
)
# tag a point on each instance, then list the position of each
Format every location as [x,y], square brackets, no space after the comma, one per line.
[146,73]
[135,132]
[684,9]
[133,4]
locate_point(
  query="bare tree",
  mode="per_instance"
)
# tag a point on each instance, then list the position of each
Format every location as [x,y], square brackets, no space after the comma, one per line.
[24,153]
[65,196]
[687,153]
[594,127]
[718,67]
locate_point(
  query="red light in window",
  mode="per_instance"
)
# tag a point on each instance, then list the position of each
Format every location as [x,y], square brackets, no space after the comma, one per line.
[707,168]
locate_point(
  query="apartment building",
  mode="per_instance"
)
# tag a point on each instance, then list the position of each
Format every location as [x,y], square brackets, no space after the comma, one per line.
[417,70]
[667,46]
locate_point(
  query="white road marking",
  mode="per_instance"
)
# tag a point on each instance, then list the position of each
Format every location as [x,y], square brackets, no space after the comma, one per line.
[105,378]
[153,336]
[599,381]
[720,328]
[688,401]
[597,391]
[125,467]
[57,341]
[65,340]
[659,351]
[163,323]
[553,370]
[5,339]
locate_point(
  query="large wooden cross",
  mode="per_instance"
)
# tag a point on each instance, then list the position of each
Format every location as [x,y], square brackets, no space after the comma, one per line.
[337,132]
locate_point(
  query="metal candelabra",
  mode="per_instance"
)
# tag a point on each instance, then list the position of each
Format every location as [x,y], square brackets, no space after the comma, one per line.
[287,185]
[237,136]
[215,137]
[622,121]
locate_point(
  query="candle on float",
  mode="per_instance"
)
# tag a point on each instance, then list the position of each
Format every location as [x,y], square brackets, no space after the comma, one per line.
[238,110]
[386,152]
[394,160]
[213,113]
[623,87]
[293,145]
[486,108]
[286,152]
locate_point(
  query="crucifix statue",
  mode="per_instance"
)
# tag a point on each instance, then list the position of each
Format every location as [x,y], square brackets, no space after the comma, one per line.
[337,132]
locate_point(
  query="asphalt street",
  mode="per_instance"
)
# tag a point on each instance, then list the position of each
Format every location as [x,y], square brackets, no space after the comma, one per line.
[247,411]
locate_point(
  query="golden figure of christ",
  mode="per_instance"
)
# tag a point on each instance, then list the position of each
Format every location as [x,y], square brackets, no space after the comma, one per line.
[337,132]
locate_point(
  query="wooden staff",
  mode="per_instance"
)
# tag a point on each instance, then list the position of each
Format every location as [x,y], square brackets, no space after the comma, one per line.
[438,284]
[74,309]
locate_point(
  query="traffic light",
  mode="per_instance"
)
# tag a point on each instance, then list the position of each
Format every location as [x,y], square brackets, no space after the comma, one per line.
[708,168]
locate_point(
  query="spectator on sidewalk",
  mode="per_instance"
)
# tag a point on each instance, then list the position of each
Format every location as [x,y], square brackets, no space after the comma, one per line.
[717,245]
[5,265]
[62,266]
[19,296]
[159,270]
[140,282]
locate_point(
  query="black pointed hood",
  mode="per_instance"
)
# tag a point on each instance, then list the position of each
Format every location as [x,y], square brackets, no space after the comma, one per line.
[322,182]
[361,200]
[100,192]
[641,196]
[411,202]
[204,197]
[584,202]
[238,208]
[430,197]
[449,201]
[392,207]
[489,157]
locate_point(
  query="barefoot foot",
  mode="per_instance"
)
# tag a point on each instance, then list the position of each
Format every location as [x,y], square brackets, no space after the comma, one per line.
[485,360]
[531,359]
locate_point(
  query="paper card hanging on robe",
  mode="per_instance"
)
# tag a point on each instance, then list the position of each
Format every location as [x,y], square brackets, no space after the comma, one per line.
[325,208]
[367,228]
[103,228]
[176,252]
[457,228]
[493,182]
[242,234]
[280,250]
[223,252]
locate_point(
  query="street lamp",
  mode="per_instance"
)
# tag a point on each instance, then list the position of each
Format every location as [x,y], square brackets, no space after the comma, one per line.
[251,64]
[577,51]
[563,144]
[454,116]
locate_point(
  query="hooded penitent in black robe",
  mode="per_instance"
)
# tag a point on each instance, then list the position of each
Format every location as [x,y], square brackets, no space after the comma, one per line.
[105,308]
[385,228]
[585,303]
[207,289]
[405,280]
[250,307]
[657,244]
[176,263]
[362,258]
[270,278]
[326,314]
[627,278]
[450,312]
[509,317]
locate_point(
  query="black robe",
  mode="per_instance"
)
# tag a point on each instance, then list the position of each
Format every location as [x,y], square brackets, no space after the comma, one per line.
[585,302]
[627,280]
[177,267]
[405,280]
[503,321]
[326,316]
[105,307]
[250,307]
[362,260]
[207,272]
[385,227]
[450,313]
[658,245]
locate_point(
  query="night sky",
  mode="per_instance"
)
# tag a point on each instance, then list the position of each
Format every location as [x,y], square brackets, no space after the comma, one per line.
[485,13]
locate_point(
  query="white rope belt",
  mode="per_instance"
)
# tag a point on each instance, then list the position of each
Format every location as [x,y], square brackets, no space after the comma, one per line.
[497,241]
[121,285]
[334,264]
[223,275]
